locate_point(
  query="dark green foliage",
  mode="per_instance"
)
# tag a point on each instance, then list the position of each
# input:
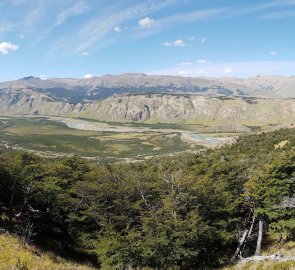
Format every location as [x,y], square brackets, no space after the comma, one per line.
[183,212]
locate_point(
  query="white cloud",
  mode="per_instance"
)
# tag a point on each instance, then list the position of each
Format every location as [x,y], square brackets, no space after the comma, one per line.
[203,40]
[202,61]
[273,53]
[176,43]
[185,64]
[179,43]
[43,77]
[146,22]
[77,9]
[85,54]
[6,47]
[227,71]
[22,36]
[88,76]
[117,29]
[191,38]
[184,72]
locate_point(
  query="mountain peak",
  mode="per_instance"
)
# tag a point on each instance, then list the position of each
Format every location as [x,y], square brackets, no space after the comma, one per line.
[28,78]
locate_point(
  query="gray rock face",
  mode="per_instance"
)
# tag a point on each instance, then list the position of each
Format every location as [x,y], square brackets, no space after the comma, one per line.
[156,108]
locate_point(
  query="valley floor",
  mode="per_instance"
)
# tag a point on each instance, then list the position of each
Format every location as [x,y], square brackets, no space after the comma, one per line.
[56,136]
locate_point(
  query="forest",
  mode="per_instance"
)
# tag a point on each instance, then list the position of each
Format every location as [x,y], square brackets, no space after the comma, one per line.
[192,211]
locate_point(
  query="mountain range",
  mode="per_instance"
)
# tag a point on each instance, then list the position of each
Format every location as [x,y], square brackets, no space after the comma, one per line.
[154,98]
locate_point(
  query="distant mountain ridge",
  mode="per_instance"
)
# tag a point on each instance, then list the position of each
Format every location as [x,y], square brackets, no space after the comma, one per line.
[155,98]
[80,90]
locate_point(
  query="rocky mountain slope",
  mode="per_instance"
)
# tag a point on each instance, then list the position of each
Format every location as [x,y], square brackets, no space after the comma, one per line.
[139,97]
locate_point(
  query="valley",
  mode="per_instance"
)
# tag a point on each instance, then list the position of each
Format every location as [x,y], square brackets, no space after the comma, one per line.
[132,117]
[136,155]
[56,136]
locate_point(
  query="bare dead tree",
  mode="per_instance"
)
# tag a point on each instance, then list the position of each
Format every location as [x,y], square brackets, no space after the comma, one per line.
[172,179]
[142,194]
[241,243]
[259,239]
[25,231]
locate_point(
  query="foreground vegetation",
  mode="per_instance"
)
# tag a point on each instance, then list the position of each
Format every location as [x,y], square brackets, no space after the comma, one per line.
[185,212]
[13,255]
[287,249]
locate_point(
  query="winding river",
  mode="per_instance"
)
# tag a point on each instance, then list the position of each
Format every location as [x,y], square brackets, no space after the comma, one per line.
[104,127]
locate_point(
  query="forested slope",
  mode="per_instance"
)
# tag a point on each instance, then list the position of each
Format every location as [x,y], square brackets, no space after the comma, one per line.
[184,212]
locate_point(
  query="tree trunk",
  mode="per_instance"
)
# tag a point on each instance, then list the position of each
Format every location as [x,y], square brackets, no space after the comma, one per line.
[241,242]
[11,204]
[252,225]
[259,239]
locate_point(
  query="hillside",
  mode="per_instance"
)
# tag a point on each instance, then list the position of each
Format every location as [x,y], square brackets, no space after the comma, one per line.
[15,256]
[190,211]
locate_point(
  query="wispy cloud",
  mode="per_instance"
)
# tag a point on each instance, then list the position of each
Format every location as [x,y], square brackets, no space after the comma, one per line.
[77,9]
[102,25]
[6,47]
[192,16]
[273,53]
[237,69]
[185,64]
[6,27]
[36,15]
[202,61]
[181,18]
[261,7]
[176,43]
[203,40]
[279,15]
[17,2]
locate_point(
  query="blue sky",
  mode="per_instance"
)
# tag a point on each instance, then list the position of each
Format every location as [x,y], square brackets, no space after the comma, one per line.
[77,38]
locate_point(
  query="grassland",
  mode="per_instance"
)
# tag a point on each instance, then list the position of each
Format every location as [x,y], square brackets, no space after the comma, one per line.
[15,256]
[53,137]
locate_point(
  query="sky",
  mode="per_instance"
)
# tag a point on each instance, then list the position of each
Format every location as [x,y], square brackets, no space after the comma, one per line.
[85,38]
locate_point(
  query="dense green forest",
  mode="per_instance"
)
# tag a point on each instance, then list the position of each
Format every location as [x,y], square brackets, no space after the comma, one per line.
[182,212]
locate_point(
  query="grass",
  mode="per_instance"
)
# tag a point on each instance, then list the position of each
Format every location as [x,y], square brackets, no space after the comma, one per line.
[287,249]
[15,256]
